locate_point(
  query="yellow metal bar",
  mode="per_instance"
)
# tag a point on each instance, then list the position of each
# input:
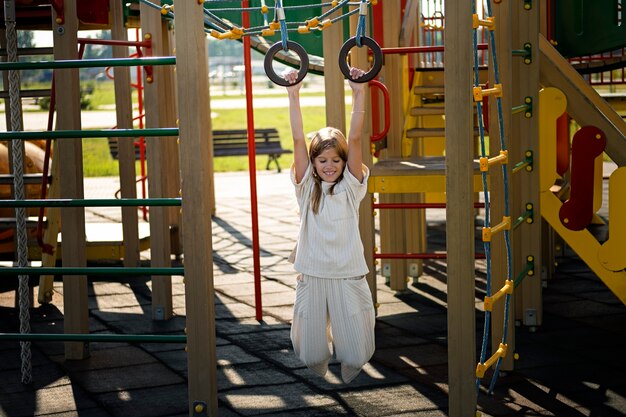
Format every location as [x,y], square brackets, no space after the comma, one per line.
[505,224]
[481,368]
[485,162]
[506,289]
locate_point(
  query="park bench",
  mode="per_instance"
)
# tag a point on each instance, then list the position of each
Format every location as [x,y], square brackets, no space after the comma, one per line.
[235,143]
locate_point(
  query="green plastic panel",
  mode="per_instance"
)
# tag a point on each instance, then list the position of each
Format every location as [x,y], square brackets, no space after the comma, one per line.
[307,9]
[587,27]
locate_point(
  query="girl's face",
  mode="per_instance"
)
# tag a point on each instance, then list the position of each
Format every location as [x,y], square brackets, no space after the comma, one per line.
[328,165]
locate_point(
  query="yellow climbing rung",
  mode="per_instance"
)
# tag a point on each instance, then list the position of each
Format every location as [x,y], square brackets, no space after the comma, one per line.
[481,368]
[506,289]
[311,23]
[325,23]
[488,22]
[234,33]
[485,163]
[480,92]
[490,231]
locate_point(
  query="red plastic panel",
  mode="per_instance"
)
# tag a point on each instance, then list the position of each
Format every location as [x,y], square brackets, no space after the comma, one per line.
[93,12]
[588,143]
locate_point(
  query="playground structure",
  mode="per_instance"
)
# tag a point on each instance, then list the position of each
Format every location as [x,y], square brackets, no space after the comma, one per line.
[409,172]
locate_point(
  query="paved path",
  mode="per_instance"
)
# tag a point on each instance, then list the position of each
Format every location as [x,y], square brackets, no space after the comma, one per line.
[570,366]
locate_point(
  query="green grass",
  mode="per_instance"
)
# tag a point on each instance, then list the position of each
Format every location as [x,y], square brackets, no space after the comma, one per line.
[97,160]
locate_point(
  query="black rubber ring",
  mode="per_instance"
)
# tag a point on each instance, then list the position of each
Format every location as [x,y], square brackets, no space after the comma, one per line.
[269,58]
[378,58]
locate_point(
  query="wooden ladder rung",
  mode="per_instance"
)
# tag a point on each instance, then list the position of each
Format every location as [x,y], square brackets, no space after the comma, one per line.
[428,111]
[438,89]
[419,132]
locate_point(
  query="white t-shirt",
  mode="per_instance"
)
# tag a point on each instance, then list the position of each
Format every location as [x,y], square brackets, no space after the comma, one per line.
[329,243]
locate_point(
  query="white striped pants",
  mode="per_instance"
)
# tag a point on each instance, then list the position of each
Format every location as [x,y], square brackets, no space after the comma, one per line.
[333,315]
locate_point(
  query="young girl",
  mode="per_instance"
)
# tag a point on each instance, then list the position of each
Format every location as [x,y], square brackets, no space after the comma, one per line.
[333,311]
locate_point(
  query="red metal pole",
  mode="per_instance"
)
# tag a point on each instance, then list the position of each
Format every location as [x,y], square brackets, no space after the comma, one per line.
[245,19]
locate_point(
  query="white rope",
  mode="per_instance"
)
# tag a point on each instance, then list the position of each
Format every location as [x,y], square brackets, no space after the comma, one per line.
[17,152]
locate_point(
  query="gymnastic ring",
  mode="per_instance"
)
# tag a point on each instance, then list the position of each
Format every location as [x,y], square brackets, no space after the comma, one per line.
[378,59]
[269,57]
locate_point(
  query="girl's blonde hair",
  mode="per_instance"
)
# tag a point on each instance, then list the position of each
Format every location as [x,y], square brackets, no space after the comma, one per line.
[326,138]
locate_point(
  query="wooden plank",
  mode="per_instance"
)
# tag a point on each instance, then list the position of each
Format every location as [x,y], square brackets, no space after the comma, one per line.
[459,211]
[334,81]
[409,23]
[104,241]
[584,104]
[155,117]
[393,222]
[124,114]
[366,217]
[170,170]
[195,120]
[51,233]
[403,184]
[69,153]
[526,137]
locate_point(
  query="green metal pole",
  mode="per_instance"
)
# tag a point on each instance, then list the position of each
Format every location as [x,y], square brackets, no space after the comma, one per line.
[99,271]
[112,202]
[89,63]
[100,133]
[69,337]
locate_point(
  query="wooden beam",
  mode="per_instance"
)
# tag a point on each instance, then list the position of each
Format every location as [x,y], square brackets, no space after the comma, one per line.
[409,23]
[334,80]
[126,146]
[366,218]
[195,120]
[393,222]
[154,99]
[70,154]
[584,103]
[525,24]
[459,211]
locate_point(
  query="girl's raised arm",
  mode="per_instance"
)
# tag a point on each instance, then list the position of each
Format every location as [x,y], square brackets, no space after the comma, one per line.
[355,157]
[300,153]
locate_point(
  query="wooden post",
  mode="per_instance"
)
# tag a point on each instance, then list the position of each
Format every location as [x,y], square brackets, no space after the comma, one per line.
[195,121]
[525,29]
[70,153]
[334,81]
[392,222]
[502,15]
[126,146]
[155,98]
[171,171]
[459,210]
[366,218]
